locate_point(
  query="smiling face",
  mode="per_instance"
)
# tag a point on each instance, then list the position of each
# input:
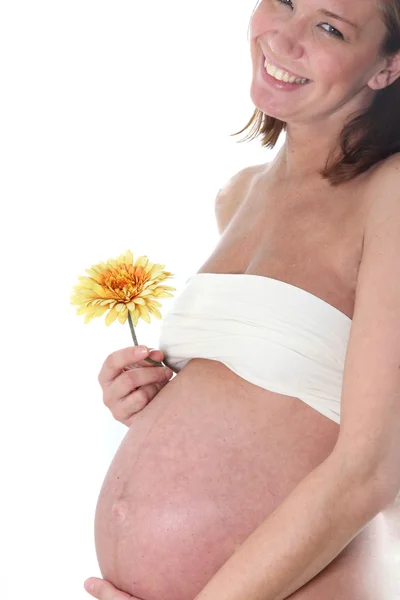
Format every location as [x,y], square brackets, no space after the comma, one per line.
[342,61]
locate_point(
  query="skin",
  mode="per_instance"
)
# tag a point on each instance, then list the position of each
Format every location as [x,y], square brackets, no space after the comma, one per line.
[104,590]
[345,75]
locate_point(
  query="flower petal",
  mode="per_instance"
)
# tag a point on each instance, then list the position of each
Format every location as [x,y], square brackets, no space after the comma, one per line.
[144,313]
[135,317]
[164,295]
[155,312]
[94,274]
[154,303]
[100,310]
[112,315]
[123,314]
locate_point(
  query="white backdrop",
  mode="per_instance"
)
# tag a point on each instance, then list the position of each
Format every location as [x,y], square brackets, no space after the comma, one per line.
[115,126]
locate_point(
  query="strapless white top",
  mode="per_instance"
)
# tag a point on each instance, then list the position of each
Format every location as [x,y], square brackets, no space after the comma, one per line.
[269,332]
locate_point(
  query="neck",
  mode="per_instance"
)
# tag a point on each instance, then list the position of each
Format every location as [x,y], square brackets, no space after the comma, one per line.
[308,145]
[304,154]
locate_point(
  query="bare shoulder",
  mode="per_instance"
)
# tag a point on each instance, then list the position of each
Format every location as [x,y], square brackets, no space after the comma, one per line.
[384,180]
[232,193]
[384,187]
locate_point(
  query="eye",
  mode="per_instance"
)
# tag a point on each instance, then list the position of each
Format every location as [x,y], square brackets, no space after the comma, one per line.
[333,32]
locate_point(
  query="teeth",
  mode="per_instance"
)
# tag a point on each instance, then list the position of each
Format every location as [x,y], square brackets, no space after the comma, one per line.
[282,75]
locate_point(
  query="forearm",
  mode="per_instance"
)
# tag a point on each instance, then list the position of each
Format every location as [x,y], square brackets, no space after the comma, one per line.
[301,537]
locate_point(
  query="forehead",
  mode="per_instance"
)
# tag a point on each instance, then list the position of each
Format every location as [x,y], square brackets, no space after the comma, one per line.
[362,12]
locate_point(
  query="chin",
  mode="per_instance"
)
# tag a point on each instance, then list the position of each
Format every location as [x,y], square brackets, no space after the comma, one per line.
[268,105]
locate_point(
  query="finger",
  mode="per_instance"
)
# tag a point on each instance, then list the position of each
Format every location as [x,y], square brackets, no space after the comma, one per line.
[125,410]
[132,380]
[117,360]
[139,377]
[156,355]
[105,590]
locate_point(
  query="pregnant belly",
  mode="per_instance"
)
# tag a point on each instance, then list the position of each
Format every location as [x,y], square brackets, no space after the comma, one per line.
[199,469]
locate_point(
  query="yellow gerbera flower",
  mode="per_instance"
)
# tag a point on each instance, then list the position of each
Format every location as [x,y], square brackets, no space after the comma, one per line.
[126,288]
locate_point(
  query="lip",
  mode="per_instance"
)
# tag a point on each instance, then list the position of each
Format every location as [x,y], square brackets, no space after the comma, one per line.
[278,66]
[281,86]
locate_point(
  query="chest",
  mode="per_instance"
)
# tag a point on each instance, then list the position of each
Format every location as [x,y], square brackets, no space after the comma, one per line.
[311,237]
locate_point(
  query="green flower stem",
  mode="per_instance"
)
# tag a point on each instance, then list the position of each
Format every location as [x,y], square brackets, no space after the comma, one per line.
[148,359]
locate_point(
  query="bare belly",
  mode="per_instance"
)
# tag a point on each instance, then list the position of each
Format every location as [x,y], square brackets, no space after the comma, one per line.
[200,468]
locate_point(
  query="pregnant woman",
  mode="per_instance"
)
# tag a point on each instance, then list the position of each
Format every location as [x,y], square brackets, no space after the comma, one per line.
[268,467]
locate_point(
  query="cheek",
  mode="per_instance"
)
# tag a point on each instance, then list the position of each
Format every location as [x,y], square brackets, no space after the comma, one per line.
[260,25]
[263,19]
[331,73]
[331,70]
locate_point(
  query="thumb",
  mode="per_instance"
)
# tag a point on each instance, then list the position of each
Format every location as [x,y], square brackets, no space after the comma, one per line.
[92,585]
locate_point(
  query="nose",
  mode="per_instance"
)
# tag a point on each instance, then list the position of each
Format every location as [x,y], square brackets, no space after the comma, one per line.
[285,42]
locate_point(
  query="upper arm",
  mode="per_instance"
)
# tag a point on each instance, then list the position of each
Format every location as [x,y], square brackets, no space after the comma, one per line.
[369,437]
[231,195]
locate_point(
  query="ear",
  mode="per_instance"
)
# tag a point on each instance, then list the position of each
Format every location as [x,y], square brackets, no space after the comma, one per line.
[387,75]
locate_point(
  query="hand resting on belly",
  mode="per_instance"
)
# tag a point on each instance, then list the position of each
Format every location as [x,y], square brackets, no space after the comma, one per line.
[199,469]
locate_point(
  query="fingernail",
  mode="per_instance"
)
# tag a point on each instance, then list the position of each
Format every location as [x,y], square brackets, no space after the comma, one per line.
[142,350]
[168,373]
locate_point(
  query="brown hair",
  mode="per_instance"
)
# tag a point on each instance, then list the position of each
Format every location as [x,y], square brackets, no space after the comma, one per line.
[375,131]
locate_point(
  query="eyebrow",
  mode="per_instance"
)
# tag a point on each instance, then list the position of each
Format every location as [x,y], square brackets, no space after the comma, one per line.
[328,13]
